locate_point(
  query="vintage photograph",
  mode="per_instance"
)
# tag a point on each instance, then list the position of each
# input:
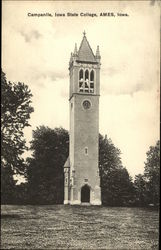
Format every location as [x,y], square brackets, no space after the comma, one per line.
[80,105]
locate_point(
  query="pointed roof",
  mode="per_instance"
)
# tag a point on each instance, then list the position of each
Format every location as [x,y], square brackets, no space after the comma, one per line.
[67,163]
[85,52]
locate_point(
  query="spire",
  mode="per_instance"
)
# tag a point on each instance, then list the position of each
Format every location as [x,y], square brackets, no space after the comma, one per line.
[75,54]
[98,57]
[70,59]
[85,52]
[75,50]
[97,52]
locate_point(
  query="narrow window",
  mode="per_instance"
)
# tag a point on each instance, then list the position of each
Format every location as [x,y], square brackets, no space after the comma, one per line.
[92,76]
[86,151]
[81,80]
[86,81]
[92,82]
[81,74]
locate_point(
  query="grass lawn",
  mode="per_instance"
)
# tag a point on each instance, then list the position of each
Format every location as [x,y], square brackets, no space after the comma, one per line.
[78,227]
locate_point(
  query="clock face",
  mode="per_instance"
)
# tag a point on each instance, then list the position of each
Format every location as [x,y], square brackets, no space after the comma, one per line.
[86,104]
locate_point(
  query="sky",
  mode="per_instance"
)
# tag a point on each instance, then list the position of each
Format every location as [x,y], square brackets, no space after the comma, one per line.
[36,51]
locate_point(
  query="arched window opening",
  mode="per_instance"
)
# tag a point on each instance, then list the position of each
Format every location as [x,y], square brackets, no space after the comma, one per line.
[81,80]
[81,74]
[92,76]
[92,82]
[86,74]
[86,81]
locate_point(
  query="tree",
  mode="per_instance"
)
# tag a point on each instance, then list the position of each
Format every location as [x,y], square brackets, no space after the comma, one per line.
[116,184]
[15,113]
[21,194]
[140,190]
[8,185]
[152,173]
[45,168]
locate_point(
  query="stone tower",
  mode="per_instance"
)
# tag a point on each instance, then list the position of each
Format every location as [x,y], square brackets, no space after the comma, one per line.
[81,172]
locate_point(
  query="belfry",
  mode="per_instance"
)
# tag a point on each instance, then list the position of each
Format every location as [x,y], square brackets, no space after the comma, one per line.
[81,170]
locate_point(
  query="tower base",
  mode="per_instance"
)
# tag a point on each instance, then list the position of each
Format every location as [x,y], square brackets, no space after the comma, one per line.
[96,203]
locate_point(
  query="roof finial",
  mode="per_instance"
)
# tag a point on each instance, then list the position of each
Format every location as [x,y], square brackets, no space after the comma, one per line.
[98,57]
[75,49]
[97,51]
[84,33]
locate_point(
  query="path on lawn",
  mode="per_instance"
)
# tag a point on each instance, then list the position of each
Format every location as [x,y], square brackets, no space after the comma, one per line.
[78,227]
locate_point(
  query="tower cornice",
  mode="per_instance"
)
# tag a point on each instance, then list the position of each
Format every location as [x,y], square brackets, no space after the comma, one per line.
[87,62]
[82,94]
[84,64]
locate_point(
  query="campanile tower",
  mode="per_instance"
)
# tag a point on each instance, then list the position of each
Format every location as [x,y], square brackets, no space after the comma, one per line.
[81,171]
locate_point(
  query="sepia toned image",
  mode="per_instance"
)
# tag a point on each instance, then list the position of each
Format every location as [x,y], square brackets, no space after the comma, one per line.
[80,107]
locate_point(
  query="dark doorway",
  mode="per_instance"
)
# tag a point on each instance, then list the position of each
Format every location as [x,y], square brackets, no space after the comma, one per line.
[85,194]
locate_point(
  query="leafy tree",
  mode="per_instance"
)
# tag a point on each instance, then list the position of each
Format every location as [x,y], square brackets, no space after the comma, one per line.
[116,184]
[21,194]
[8,185]
[147,185]
[152,173]
[140,190]
[45,168]
[15,112]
